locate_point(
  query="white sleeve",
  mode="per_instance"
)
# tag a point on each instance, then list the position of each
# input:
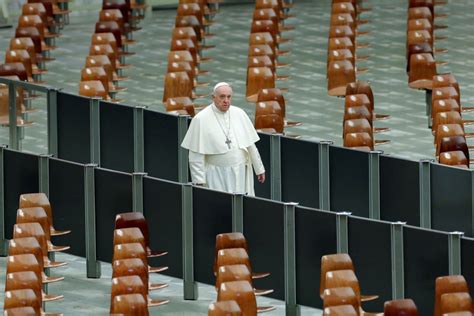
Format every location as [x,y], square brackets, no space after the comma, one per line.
[255,159]
[197,167]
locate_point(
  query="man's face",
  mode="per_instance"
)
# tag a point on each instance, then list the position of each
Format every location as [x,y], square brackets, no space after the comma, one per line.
[222,98]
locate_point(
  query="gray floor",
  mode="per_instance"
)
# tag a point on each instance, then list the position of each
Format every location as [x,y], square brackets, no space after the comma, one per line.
[307,100]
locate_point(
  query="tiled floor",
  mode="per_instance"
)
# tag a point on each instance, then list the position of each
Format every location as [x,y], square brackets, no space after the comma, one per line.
[307,100]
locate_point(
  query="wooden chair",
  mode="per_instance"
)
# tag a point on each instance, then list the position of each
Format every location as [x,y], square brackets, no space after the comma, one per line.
[233,240]
[224,308]
[21,311]
[109,67]
[39,9]
[27,44]
[14,69]
[258,78]
[36,20]
[180,105]
[129,304]
[28,262]
[237,272]
[16,299]
[133,249]
[132,284]
[344,43]
[22,56]
[269,115]
[454,143]
[109,38]
[37,214]
[35,230]
[449,117]
[41,200]
[136,219]
[275,94]
[180,66]
[99,73]
[445,93]
[134,267]
[341,310]
[36,36]
[455,302]
[178,84]
[405,307]
[340,74]
[107,49]
[184,55]
[260,14]
[334,262]
[93,89]
[188,44]
[5,107]
[192,21]
[422,70]
[345,278]
[448,284]
[243,293]
[187,32]
[30,245]
[28,280]
[262,26]
[446,80]
[454,158]
[266,38]
[444,105]
[340,296]
[447,130]
[361,141]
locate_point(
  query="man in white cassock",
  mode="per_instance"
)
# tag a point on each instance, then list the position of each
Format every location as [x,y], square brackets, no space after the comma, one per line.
[221,143]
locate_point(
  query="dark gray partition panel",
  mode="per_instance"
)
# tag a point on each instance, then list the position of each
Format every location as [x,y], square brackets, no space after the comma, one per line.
[264,231]
[161,145]
[451,199]
[300,172]
[73,128]
[212,215]
[369,248]
[263,146]
[399,190]
[21,176]
[113,195]
[349,180]
[66,194]
[467,261]
[426,258]
[315,237]
[162,209]
[116,137]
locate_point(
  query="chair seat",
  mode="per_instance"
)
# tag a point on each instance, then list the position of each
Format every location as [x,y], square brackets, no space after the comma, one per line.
[157,286]
[157,269]
[380,117]
[292,123]
[424,84]
[260,275]
[54,264]
[50,279]
[378,142]
[51,297]
[154,254]
[54,248]
[260,292]
[263,309]
[381,129]
[360,58]
[337,92]
[154,303]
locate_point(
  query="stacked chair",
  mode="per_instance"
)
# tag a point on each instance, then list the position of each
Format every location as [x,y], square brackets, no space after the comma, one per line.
[188,42]
[359,117]
[452,296]
[27,54]
[421,64]
[339,286]
[342,45]
[109,47]
[28,257]
[234,278]
[130,269]
[264,57]
[404,307]
[447,123]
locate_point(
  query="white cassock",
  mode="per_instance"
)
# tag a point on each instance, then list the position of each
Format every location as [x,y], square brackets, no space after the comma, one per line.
[222,150]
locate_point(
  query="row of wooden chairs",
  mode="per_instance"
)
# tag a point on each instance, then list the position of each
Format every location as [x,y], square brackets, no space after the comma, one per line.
[421,64]
[342,45]
[185,57]
[130,270]
[28,257]
[109,47]
[234,277]
[447,123]
[264,58]
[359,118]
[27,54]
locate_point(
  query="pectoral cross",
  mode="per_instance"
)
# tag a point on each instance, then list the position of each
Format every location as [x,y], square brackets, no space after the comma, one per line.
[228,141]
